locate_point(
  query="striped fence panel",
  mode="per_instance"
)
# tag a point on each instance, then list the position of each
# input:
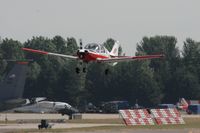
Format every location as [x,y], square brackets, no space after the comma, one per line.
[167,116]
[136,117]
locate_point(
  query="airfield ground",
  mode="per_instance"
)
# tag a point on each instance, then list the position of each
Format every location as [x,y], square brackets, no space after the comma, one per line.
[98,123]
[35,116]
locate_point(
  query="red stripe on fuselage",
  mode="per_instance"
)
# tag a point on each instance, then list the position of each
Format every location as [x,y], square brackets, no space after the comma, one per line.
[93,57]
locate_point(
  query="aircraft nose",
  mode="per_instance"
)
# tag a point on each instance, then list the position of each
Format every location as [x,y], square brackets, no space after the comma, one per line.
[81,53]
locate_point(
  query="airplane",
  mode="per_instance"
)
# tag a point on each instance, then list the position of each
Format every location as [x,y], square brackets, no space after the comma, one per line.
[182,104]
[43,106]
[11,95]
[94,52]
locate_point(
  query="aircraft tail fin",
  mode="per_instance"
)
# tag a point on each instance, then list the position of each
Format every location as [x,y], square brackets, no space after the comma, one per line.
[115,49]
[12,87]
[183,102]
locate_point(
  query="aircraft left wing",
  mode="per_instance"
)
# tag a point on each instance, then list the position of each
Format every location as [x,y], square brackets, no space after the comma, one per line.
[130,58]
[49,53]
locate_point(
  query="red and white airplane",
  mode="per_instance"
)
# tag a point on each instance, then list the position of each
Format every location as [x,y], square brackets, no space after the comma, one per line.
[97,53]
[182,104]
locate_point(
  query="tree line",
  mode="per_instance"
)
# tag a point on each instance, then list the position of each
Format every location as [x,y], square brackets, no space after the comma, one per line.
[150,82]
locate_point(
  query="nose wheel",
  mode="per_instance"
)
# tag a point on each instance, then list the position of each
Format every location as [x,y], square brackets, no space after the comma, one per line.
[77,70]
[84,69]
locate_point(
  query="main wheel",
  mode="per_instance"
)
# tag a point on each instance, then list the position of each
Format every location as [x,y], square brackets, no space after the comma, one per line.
[77,70]
[106,71]
[84,70]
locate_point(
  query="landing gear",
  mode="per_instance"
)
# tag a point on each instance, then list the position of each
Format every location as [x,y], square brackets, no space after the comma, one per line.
[77,70]
[106,71]
[84,69]
[81,66]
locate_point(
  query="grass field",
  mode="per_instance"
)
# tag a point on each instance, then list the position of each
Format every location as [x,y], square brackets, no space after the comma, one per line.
[190,123]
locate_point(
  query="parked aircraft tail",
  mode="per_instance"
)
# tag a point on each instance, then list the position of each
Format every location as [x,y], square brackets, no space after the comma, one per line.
[12,87]
[182,104]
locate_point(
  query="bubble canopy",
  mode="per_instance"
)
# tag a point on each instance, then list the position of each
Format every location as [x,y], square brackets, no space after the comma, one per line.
[94,47]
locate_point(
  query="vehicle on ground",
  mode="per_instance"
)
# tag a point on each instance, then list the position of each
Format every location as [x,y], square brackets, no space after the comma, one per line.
[44,124]
[193,109]
[166,106]
[114,106]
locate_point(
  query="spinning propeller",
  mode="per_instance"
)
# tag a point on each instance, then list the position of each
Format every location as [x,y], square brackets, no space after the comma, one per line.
[81,44]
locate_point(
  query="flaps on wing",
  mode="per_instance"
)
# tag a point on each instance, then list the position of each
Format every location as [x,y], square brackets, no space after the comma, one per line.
[49,53]
[130,58]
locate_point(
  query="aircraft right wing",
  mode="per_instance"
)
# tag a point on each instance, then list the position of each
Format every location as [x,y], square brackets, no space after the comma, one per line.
[130,58]
[49,53]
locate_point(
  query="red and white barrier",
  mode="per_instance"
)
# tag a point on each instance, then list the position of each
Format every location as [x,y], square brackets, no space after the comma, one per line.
[139,121]
[167,116]
[169,120]
[165,113]
[136,117]
[137,113]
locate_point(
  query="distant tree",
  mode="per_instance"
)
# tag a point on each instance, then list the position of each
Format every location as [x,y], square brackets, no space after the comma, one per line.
[164,68]
[60,43]
[70,87]
[31,86]
[95,84]
[9,50]
[186,84]
[135,80]
[191,54]
[146,89]
[190,75]
[72,46]
[2,64]
[45,68]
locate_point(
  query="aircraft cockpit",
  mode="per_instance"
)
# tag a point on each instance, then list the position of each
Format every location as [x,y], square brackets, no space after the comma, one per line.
[95,48]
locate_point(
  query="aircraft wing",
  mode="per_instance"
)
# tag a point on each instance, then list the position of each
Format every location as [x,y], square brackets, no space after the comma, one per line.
[49,53]
[130,58]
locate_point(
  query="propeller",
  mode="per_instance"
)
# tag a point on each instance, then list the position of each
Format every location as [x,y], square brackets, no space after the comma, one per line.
[81,44]
[81,52]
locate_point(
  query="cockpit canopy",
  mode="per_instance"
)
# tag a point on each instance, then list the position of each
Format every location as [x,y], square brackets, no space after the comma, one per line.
[94,47]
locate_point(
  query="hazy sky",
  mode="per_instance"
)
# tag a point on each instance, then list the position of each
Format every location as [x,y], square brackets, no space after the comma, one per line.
[96,20]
